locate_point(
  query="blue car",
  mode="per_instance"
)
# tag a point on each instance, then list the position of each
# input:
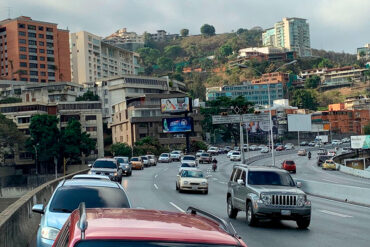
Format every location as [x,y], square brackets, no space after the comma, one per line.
[66,198]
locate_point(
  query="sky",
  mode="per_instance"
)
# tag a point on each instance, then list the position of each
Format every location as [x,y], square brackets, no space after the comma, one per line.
[337,25]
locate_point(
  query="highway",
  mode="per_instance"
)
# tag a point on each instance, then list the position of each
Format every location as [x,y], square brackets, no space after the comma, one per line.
[333,223]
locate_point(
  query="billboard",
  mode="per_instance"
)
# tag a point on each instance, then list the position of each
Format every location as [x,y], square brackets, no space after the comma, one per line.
[360,142]
[177,125]
[245,118]
[299,122]
[176,105]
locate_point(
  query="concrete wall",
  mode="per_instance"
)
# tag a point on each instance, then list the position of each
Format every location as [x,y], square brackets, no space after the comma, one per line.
[18,224]
[355,172]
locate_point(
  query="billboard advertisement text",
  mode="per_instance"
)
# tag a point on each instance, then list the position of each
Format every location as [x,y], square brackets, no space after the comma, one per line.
[175,105]
[177,125]
[360,142]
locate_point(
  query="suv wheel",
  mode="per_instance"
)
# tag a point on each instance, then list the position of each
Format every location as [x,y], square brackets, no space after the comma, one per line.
[177,187]
[251,218]
[231,211]
[303,223]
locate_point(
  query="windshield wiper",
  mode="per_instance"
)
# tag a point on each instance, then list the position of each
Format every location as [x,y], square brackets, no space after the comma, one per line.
[64,210]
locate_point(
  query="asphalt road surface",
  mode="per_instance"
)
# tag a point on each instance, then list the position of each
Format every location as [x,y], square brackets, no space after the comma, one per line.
[332,224]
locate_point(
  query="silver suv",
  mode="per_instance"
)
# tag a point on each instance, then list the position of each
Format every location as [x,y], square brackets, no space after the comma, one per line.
[264,192]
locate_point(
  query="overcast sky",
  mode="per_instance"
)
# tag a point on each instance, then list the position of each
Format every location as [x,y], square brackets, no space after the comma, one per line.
[339,25]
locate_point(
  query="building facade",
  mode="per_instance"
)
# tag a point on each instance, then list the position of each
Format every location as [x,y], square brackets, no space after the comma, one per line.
[271,78]
[363,53]
[290,33]
[126,40]
[34,51]
[93,59]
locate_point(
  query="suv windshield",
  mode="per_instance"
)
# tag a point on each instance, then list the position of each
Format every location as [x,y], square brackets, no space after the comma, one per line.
[236,153]
[105,164]
[164,155]
[270,178]
[188,158]
[67,199]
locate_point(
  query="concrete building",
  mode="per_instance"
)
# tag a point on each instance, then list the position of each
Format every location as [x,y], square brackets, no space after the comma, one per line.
[34,51]
[271,78]
[126,40]
[140,117]
[255,93]
[363,53]
[93,59]
[291,33]
[267,53]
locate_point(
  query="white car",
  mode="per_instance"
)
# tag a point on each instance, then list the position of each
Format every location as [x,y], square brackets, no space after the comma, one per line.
[332,153]
[336,142]
[152,160]
[199,153]
[245,147]
[189,159]
[90,176]
[345,140]
[213,150]
[265,150]
[165,157]
[253,148]
[235,156]
[289,146]
[176,155]
[191,180]
[187,166]
[229,153]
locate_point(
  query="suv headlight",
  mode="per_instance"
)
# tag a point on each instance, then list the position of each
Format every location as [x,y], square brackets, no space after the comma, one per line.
[301,200]
[49,233]
[266,198]
[186,182]
[204,183]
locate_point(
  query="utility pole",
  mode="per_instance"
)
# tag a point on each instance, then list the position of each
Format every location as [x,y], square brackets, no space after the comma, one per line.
[271,128]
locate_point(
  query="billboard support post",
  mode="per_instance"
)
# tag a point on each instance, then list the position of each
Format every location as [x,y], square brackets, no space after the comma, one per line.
[241,140]
[187,139]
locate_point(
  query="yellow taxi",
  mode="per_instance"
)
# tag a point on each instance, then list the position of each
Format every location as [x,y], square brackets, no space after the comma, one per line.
[329,164]
[137,163]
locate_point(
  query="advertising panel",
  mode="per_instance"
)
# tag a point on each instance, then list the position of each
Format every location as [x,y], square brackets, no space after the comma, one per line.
[355,163]
[177,125]
[176,105]
[360,142]
[299,122]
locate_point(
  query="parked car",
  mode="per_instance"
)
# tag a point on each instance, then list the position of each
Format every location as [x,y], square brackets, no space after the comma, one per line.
[229,153]
[329,165]
[213,150]
[236,148]
[176,155]
[346,140]
[302,152]
[346,150]
[289,146]
[147,228]
[164,158]
[336,142]
[66,198]
[190,159]
[266,193]
[312,144]
[199,153]
[261,146]
[321,151]
[227,148]
[304,143]
[265,150]
[152,159]
[108,167]
[205,158]
[145,161]
[245,147]
[289,165]
[332,152]
[235,156]
[253,148]
[90,176]
[280,148]
[192,180]
[137,163]
[124,164]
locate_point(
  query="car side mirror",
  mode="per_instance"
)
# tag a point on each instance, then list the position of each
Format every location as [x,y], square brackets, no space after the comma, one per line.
[299,184]
[38,208]
[241,182]
[208,176]
[89,165]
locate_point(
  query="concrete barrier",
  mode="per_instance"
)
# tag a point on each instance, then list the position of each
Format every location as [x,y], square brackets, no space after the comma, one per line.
[18,224]
[354,172]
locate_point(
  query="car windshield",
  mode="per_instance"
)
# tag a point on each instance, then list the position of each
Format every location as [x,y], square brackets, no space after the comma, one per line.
[121,243]
[175,152]
[189,158]
[270,178]
[185,165]
[105,164]
[67,198]
[164,155]
[134,159]
[122,160]
[144,158]
[289,162]
[192,174]
[206,155]
[236,153]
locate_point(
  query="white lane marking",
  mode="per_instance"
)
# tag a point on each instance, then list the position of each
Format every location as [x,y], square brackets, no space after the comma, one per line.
[335,214]
[155,186]
[156,175]
[329,180]
[344,203]
[177,207]
[223,182]
[215,179]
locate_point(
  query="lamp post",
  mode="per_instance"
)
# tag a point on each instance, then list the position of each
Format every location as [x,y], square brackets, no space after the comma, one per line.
[241,135]
[36,160]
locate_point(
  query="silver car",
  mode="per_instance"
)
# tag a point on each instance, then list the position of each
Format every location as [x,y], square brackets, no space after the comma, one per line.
[108,167]
[124,164]
[66,198]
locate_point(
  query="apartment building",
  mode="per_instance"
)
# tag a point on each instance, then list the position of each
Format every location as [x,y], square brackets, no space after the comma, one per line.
[34,51]
[363,53]
[264,54]
[126,40]
[140,117]
[271,78]
[255,93]
[93,59]
[291,33]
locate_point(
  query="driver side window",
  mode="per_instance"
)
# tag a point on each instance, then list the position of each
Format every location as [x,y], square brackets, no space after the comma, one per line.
[237,175]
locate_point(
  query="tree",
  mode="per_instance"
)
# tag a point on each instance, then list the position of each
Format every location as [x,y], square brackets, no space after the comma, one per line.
[165,63]
[207,30]
[367,129]
[225,50]
[173,51]
[148,55]
[305,98]
[325,63]
[312,82]
[121,149]
[149,145]
[88,96]
[362,54]
[10,100]
[184,32]
[197,145]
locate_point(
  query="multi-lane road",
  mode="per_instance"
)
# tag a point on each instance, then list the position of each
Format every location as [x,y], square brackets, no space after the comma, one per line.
[333,223]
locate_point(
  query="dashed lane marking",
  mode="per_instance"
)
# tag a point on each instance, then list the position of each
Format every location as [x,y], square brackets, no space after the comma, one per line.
[156,175]
[177,207]
[335,214]
[155,186]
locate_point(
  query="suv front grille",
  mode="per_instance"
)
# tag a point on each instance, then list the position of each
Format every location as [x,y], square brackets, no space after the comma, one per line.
[284,200]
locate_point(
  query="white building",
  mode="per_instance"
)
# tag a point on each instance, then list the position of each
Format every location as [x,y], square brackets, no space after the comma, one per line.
[363,53]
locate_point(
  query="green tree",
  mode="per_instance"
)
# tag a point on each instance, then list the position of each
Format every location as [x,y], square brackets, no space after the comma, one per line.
[305,98]
[362,54]
[184,32]
[207,30]
[367,129]
[88,96]
[225,50]
[312,82]
[148,145]
[173,51]
[10,137]
[148,55]
[121,149]
[325,63]
[197,145]
[165,63]
[10,100]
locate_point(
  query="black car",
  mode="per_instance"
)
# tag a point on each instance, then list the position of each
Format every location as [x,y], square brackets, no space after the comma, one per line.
[322,158]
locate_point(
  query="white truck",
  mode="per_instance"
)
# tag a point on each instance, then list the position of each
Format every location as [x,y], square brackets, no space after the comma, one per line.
[322,138]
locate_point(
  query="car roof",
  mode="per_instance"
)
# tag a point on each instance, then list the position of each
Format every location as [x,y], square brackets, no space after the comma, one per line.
[259,168]
[149,225]
[89,182]
[106,159]
[120,157]
[193,156]
[90,176]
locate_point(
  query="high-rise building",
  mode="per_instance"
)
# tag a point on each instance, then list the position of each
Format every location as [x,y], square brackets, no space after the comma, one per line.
[291,33]
[93,59]
[33,51]
[363,53]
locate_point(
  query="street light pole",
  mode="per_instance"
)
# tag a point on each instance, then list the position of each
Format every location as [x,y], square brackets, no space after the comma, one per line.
[241,139]
[272,135]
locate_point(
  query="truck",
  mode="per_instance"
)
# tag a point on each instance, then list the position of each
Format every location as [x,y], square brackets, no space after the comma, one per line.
[322,138]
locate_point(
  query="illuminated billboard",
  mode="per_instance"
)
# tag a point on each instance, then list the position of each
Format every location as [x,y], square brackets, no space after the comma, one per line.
[176,105]
[177,125]
[360,142]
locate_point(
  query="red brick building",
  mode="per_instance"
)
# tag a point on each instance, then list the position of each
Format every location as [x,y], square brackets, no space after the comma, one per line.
[270,78]
[33,51]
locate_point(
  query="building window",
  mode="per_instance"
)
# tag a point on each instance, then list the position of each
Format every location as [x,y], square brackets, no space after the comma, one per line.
[32,57]
[32,42]
[42,73]
[49,29]
[42,58]
[41,43]
[41,50]
[31,27]
[50,59]
[33,73]
[22,33]
[49,36]
[41,28]
[90,117]
[21,48]
[33,65]
[34,80]
[22,64]
[22,56]
[42,66]
[49,44]
[20,25]
[33,50]
[32,35]
[22,41]
[51,74]
[89,129]
[51,66]
[49,51]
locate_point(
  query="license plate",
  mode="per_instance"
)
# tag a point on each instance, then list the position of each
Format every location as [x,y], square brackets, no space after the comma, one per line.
[285,212]
[194,187]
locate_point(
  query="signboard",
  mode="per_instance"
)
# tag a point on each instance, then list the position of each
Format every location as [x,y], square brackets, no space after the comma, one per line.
[355,163]
[177,125]
[299,122]
[319,127]
[176,105]
[360,142]
[246,118]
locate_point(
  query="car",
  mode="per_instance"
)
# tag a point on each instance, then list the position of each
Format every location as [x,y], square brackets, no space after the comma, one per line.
[124,164]
[302,152]
[304,143]
[346,140]
[191,180]
[245,147]
[236,148]
[322,151]
[266,193]
[312,144]
[278,144]
[289,165]
[332,152]
[199,153]
[265,150]
[205,158]
[152,159]
[213,150]
[67,196]
[235,156]
[253,148]
[190,159]
[261,146]
[145,161]
[137,163]
[336,142]
[145,227]
[227,148]
[329,165]
[90,176]
[289,146]
[186,166]
[318,145]
[280,148]
[164,158]
[346,150]
[108,167]
[176,155]
[322,158]
[229,153]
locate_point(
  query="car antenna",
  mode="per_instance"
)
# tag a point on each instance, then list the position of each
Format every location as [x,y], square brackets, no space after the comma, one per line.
[82,223]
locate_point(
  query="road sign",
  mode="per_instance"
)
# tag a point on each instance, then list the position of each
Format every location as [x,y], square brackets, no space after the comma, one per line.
[246,118]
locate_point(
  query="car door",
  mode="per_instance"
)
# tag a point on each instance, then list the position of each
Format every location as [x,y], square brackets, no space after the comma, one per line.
[243,190]
[238,201]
